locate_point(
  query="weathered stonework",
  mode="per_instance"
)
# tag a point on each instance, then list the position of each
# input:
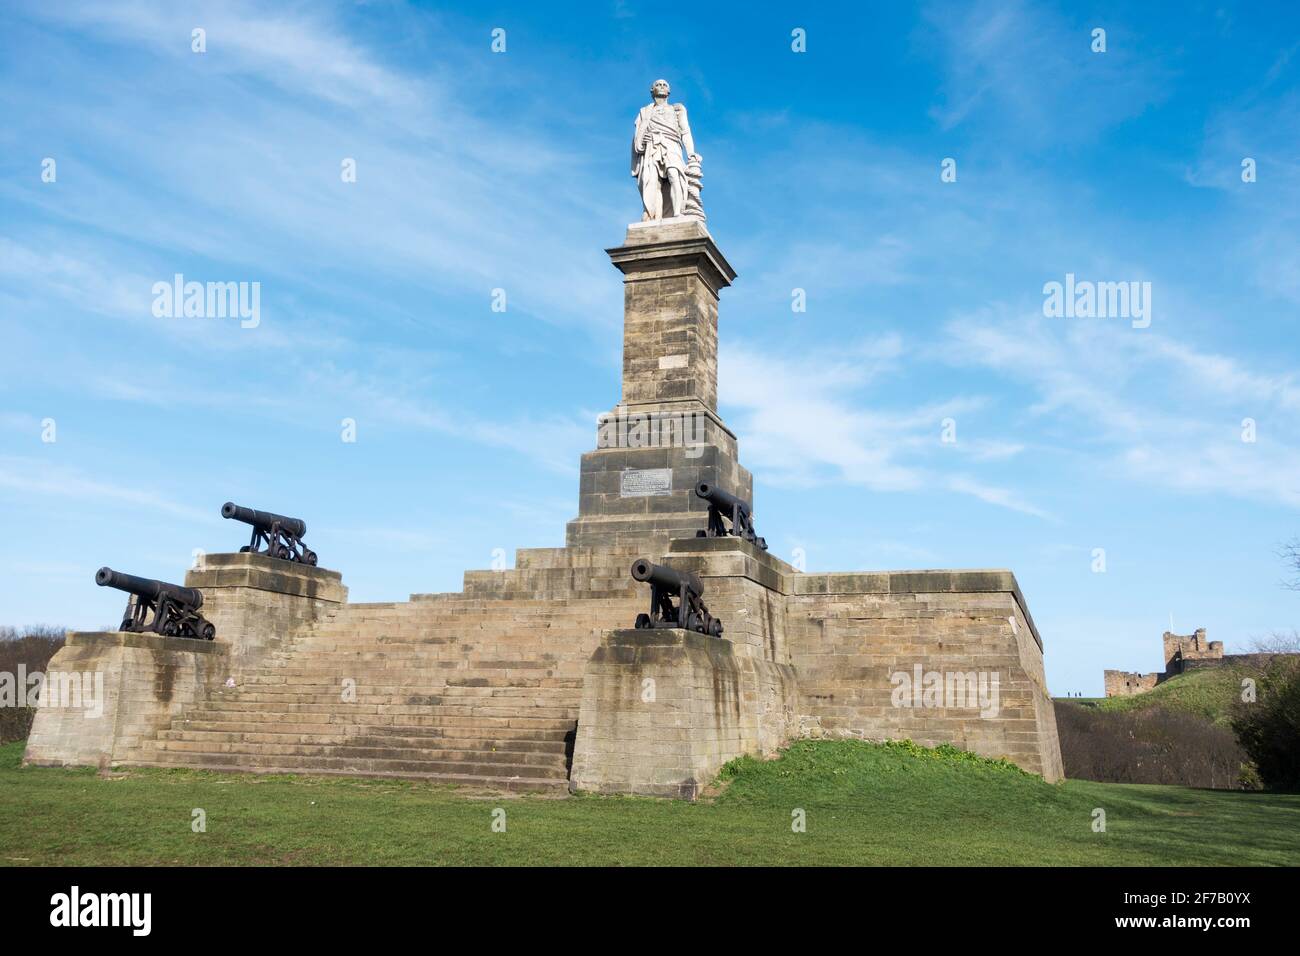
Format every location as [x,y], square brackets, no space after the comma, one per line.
[1189,647]
[1128,683]
[672,274]
[258,602]
[138,684]
[831,645]
[663,710]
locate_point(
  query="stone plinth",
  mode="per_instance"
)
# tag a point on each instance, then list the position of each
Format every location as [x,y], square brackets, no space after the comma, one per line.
[664,709]
[672,274]
[108,694]
[665,436]
[257,602]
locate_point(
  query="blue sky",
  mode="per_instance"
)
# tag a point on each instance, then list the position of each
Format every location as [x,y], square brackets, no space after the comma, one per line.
[479,170]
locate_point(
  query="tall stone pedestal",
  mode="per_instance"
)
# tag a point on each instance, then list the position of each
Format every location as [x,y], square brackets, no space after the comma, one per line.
[258,602]
[665,435]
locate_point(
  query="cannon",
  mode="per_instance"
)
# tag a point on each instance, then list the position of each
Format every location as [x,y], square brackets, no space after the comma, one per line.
[159,607]
[725,508]
[281,536]
[666,584]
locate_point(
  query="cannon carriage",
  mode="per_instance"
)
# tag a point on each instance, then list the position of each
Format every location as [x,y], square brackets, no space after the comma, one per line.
[276,535]
[158,607]
[666,584]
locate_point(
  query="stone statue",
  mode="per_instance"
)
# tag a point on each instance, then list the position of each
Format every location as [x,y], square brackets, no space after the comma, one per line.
[669,186]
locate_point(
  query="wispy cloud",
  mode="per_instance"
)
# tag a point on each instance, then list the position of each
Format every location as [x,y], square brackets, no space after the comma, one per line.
[809,419]
[1028,67]
[39,479]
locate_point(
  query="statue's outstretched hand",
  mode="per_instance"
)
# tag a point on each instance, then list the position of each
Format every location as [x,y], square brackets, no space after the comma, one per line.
[695,158]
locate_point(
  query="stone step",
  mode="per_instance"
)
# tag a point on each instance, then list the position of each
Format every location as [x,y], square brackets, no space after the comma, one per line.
[362,766]
[539,742]
[368,695]
[265,697]
[485,725]
[220,709]
[555,690]
[509,761]
[290,765]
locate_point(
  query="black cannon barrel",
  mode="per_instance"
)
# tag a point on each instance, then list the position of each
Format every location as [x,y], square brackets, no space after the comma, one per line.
[262,520]
[643,569]
[147,587]
[723,500]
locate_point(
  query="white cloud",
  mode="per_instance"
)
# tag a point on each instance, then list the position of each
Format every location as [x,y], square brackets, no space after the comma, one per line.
[804,421]
[1150,407]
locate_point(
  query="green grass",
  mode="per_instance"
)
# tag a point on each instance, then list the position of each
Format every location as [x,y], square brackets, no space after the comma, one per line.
[864,804]
[1209,693]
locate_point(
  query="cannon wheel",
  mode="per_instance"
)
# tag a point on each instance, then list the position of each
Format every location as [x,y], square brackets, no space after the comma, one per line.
[309,557]
[126,625]
[762,543]
[283,553]
[244,550]
[715,628]
[208,631]
[643,622]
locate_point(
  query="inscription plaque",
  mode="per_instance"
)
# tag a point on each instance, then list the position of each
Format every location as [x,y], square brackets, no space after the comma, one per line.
[642,482]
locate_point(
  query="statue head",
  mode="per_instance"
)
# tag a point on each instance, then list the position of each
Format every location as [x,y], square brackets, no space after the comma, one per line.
[660,88]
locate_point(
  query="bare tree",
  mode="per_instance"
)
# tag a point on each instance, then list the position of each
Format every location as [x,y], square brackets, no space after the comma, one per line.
[1290,554]
[1278,642]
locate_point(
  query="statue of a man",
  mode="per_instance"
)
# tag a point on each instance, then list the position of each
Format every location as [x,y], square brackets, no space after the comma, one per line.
[662,132]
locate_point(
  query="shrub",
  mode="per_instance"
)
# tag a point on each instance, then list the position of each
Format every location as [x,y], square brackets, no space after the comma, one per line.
[1150,746]
[1269,727]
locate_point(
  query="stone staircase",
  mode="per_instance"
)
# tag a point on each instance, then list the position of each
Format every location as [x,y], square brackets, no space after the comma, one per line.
[477,688]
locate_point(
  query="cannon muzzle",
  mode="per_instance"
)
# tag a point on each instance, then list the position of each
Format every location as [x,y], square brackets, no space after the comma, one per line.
[670,579]
[148,588]
[719,498]
[728,514]
[264,520]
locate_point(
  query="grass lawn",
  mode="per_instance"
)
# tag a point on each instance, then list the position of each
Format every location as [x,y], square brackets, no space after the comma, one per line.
[1210,693]
[864,804]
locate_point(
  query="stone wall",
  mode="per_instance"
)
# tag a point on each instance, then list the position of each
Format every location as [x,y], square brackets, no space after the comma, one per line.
[1128,683]
[844,651]
[932,656]
[132,686]
[1188,647]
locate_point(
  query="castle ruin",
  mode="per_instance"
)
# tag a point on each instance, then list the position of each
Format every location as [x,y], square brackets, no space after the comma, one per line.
[1183,652]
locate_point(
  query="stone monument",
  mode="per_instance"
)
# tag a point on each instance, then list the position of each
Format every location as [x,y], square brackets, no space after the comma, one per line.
[534,677]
